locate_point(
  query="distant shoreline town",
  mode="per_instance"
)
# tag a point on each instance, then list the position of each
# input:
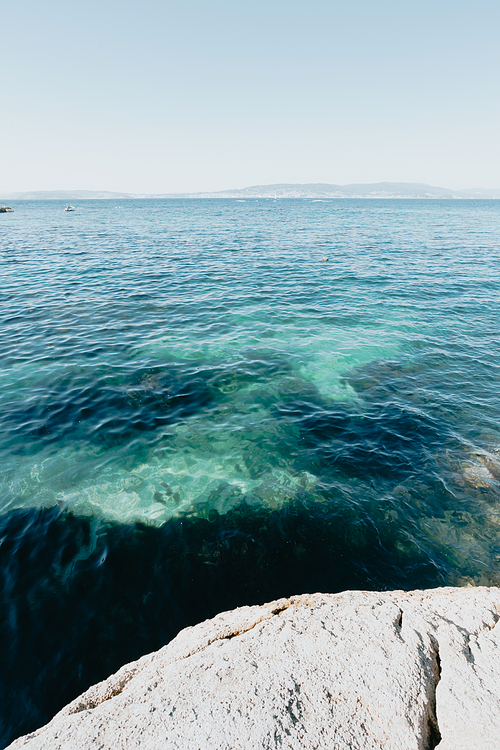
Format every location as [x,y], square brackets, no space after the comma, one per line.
[314,191]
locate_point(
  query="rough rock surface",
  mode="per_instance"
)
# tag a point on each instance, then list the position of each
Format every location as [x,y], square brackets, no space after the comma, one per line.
[392,670]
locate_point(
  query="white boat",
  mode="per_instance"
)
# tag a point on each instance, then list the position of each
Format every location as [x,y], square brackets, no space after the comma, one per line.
[69,207]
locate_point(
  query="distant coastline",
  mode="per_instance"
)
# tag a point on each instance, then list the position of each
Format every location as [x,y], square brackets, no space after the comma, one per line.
[281,190]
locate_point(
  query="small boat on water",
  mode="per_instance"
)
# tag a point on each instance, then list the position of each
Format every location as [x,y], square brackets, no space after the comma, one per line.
[6,210]
[69,207]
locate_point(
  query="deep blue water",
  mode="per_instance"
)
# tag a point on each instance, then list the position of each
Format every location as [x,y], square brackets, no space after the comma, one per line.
[197,412]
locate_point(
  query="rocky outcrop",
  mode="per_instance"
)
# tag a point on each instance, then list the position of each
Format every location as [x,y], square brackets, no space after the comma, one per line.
[392,670]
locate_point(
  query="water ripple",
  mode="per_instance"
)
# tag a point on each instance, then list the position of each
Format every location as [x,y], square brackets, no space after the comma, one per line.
[196,412]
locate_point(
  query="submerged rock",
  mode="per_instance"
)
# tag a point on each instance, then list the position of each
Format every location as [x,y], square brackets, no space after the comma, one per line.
[394,670]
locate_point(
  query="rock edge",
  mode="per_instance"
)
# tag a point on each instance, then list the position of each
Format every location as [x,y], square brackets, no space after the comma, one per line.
[394,670]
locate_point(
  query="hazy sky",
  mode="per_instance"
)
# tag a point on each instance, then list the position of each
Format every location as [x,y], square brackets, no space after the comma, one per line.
[163,96]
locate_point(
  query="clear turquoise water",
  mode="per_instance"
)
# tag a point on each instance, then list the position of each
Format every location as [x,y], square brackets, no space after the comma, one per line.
[197,412]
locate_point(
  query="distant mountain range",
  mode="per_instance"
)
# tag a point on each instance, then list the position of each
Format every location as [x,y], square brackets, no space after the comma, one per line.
[312,191]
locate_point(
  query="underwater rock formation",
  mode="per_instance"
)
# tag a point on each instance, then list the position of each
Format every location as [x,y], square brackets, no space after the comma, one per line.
[398,670]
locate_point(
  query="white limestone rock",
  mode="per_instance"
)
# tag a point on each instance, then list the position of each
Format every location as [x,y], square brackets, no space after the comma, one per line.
[393,670]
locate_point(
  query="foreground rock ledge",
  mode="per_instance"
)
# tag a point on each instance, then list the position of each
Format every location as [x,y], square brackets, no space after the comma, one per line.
[393,670]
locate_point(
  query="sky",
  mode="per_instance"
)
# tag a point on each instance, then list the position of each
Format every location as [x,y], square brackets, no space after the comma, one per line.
[162,96]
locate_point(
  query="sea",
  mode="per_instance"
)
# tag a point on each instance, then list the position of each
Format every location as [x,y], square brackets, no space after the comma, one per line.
[212,403]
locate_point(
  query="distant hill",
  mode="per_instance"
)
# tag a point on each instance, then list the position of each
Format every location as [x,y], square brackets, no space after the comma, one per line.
[313,191]
[65,195]
[371,190]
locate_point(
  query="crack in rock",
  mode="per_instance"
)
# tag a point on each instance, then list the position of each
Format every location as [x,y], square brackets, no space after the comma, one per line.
[117,683]
[434,736]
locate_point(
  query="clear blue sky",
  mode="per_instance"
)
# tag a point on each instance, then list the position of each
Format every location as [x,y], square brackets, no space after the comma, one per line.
[163,96]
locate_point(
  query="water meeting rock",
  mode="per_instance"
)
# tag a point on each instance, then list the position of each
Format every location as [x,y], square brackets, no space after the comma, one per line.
[395,670]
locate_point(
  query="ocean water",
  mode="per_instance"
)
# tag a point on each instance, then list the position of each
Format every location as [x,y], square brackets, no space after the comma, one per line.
[197,412]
